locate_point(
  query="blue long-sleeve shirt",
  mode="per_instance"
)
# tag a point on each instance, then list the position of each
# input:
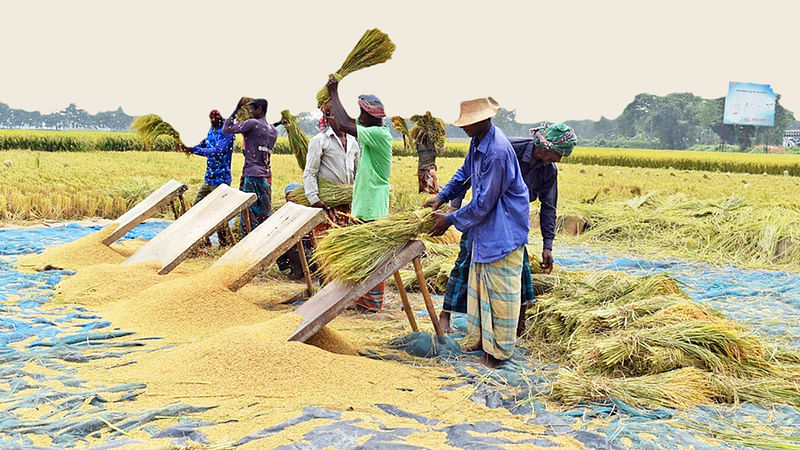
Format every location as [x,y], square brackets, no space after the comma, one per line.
[217,147]
[498,215]
[542,181]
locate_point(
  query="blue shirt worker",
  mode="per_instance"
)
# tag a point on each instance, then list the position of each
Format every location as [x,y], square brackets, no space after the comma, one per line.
[217,148]
[537,158]
[497,220]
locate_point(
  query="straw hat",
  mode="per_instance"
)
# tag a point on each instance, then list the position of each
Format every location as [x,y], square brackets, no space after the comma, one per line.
[473,111]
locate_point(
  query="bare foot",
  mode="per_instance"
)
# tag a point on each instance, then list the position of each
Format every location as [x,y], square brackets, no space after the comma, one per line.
[489,361]
[473,348]
[444,322]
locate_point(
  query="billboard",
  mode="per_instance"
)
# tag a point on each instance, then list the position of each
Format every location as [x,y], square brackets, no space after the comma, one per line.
[749,104]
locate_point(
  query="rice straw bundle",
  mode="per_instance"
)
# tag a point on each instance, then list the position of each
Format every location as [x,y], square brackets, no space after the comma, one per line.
[400,125]
[350,254]
[434,127]
[244,112]
[682,388]
[373,48]
[332,194]
[151,126]
[298,141]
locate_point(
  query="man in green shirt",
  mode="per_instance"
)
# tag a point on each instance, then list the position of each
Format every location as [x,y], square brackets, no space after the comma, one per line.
[371,188]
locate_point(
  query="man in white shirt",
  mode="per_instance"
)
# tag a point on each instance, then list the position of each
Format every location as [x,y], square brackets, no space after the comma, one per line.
[332,155]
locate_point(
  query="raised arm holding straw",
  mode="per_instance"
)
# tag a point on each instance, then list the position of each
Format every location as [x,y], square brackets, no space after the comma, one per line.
[371,189]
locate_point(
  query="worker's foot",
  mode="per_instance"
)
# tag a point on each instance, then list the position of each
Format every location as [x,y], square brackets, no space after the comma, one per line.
[489,361]
[444,322]
[473,348]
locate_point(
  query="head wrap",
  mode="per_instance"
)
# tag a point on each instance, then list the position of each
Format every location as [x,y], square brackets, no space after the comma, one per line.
[213,113]
[372,105]
[323,122]
[556,138]
[291,187]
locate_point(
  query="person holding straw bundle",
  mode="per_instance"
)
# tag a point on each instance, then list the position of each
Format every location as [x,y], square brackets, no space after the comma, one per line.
[497,222]
[537,158]
[333,156]
[259,140]
[371,189]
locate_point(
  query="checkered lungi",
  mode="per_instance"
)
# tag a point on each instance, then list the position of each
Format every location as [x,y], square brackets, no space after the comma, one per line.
[493,304]
[455,294]
[262,208]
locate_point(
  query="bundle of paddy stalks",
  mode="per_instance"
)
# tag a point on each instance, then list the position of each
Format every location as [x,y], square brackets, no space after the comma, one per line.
[626,333]
[151,126]
[434,127]
[373,48]
[86,251]
[758,236]
[298,141]
[244,112]
[401,126]
[332,194]
[351,254]
[431,268]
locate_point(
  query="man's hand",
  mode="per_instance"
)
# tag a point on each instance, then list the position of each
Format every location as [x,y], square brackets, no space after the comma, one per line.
[547,260]
[332,84]
[441,224]
[434,203]
[186,148]
[321,204]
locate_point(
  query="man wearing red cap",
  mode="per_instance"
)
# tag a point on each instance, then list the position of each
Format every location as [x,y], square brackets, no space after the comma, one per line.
[371,188]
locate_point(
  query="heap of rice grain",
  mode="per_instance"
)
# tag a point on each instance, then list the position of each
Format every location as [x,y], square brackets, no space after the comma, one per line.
[86,251]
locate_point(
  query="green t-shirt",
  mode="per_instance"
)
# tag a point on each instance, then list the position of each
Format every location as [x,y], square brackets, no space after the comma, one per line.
[371,189]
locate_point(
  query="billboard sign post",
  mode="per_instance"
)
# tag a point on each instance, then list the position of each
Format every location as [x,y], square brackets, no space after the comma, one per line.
[749,104]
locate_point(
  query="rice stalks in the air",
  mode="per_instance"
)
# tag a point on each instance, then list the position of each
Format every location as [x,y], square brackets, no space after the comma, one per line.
[151,126]
[433,127]
[332,194]
[373,48]
[298,141]
[244,112]
[399,124]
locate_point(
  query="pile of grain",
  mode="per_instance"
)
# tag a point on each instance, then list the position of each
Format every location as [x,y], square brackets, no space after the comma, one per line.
[86,251]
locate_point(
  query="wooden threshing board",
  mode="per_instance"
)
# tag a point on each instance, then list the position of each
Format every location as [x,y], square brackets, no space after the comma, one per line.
[146,209]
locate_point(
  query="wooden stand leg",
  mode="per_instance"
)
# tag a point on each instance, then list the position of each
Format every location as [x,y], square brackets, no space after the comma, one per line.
[174,209]
[246,217]
[406,305]
[306,271]
[183,204]
[423,288]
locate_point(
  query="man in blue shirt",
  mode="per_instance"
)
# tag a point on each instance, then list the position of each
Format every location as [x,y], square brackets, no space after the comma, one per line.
[537,158]
[497,220]
[217,147]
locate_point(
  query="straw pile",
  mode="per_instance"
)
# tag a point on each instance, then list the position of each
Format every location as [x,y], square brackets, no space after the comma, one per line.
[151,126]
[434,127]
[755,235]
[332,194]
[373,48]
[86,251]
[399,124]
[298,141]
[350,254]
[623,335]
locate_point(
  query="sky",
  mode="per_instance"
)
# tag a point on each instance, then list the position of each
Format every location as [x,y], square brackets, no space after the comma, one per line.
[548,60]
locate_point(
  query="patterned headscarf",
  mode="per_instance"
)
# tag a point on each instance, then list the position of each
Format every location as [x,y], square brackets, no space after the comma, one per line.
[213,113]
[556,138]
[372,105]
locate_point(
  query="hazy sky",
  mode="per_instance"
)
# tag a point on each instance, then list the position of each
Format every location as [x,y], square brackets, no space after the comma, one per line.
[553,60]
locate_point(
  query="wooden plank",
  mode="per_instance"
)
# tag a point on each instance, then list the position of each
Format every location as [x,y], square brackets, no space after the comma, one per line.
[301,251]
[173,244]
[335,296]
[146,209]
[268,241]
